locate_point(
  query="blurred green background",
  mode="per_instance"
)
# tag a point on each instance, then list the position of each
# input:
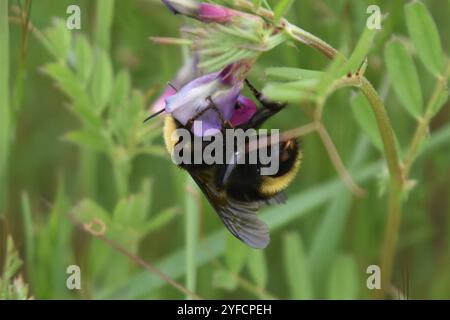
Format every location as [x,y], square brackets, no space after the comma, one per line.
[323,239]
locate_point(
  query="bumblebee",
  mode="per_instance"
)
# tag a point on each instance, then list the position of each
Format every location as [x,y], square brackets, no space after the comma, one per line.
[237,191]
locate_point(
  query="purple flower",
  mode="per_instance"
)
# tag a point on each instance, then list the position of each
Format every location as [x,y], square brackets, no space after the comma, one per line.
[203,98]
[220,87]
[160,103]
[187,73]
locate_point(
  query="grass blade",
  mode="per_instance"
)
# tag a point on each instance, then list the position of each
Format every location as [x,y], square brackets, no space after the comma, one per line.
[257,267]
[332,226]
[343,281]
[360,52]
[5,116]
[28,231]
[297,267]
[366,120]
[191,229]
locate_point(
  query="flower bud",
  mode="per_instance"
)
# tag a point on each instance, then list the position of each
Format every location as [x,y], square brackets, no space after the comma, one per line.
[202,11]
[215,13]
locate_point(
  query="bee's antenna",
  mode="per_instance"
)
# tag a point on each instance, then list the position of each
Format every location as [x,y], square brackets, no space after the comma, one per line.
[154,115]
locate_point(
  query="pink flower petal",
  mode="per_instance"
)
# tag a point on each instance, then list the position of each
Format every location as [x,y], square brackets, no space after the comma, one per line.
[215,13]
[245,111]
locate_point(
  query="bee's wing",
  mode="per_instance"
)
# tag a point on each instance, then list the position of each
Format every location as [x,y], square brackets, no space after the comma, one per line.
[239,217]
[279,198]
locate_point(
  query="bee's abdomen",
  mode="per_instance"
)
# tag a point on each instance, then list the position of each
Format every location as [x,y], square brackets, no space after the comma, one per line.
[290,162]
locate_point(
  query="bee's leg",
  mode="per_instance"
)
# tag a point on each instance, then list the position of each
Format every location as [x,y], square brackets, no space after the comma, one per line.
[270,108]
[273,106]
[211,106]
[225,123]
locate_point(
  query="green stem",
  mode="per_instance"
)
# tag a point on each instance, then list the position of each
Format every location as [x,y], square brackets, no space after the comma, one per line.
[394,213]
[390,237]
[390,150]
[386,131]
[310,40]
[422,127]
[21,70]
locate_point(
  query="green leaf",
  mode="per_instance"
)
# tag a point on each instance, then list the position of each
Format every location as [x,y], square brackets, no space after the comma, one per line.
[366,119]
[333,72]
[343,281]
[70,85]
[12,288]
[159,221]
[328,235]
[102,82]
[87,116]
[84,59]
[67,81]
[125,111]
[425,36]
[296,91]
[292,74]
[360,52]
[257,267]
[132,211]
[12,261]
[89,139]
[404,77]
[121,92]
[296,267]
[236,254]
[59,40]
